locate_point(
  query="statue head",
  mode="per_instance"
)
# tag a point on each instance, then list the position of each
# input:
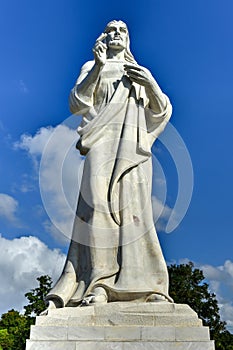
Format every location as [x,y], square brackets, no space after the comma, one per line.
[116,35]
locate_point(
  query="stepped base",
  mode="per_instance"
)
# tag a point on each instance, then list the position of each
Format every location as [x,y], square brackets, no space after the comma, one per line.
[121,326]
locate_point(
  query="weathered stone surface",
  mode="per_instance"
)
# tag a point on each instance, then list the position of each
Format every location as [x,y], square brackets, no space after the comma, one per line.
[192,333]
[52,345]
[93,345]
[147,314]
[48,333]
[121,326]
[158,334]
[86,333]
[114,208]
[146,346]
[120,333]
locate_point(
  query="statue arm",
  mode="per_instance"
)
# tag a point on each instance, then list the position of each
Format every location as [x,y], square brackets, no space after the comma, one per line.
[143,77]
[157,99]
[82,95]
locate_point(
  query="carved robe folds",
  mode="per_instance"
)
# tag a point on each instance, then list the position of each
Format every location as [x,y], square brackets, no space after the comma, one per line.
[114,242]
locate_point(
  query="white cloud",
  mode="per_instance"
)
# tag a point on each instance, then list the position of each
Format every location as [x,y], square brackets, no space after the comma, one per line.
[8,207]
[59,173]
[59,179]
[22,260]
[34,145]
[226,311]
[220,279]
[220,274]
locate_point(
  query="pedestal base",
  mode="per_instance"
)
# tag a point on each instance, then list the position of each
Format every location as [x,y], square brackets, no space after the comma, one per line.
[121,326]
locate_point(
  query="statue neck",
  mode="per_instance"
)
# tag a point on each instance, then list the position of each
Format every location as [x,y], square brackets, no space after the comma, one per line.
[116,54]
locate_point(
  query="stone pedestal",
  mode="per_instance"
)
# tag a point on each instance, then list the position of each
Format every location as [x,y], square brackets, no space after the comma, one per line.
[121,326]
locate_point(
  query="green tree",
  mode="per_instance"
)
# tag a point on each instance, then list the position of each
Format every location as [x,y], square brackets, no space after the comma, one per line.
[15,329]
[224,341]
[187,286]
[6,340]
[37,295]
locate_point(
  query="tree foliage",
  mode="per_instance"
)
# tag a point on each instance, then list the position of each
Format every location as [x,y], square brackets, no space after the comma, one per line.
[14,327]
[37,296]
[6,340]
[14,330]
[187,286]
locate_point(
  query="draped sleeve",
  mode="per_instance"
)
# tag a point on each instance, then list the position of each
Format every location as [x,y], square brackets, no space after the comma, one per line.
[156,122]
[78,105]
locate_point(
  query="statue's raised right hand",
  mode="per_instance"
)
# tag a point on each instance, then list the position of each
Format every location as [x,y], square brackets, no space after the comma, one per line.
[99,50]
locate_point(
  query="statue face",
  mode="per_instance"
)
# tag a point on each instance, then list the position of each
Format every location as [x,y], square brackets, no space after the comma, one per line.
[117,35]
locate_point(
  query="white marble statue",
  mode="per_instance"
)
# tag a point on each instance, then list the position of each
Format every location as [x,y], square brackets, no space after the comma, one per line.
[115,254]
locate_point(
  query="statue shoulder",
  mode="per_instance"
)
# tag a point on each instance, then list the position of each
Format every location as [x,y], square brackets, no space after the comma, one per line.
[87,66]
[84,71]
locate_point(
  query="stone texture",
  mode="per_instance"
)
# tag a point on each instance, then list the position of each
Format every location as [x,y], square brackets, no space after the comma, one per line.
[48,333]
[86,333]
[119,333]
[192,333]
[92,345]
[122,326]
[145,346]
[158,333]
[114,204]
[51,345]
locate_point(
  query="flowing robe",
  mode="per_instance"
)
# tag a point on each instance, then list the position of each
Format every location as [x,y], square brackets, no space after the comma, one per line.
[114,243]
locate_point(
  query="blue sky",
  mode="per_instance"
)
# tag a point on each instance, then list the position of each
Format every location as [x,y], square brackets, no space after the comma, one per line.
[187,45]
